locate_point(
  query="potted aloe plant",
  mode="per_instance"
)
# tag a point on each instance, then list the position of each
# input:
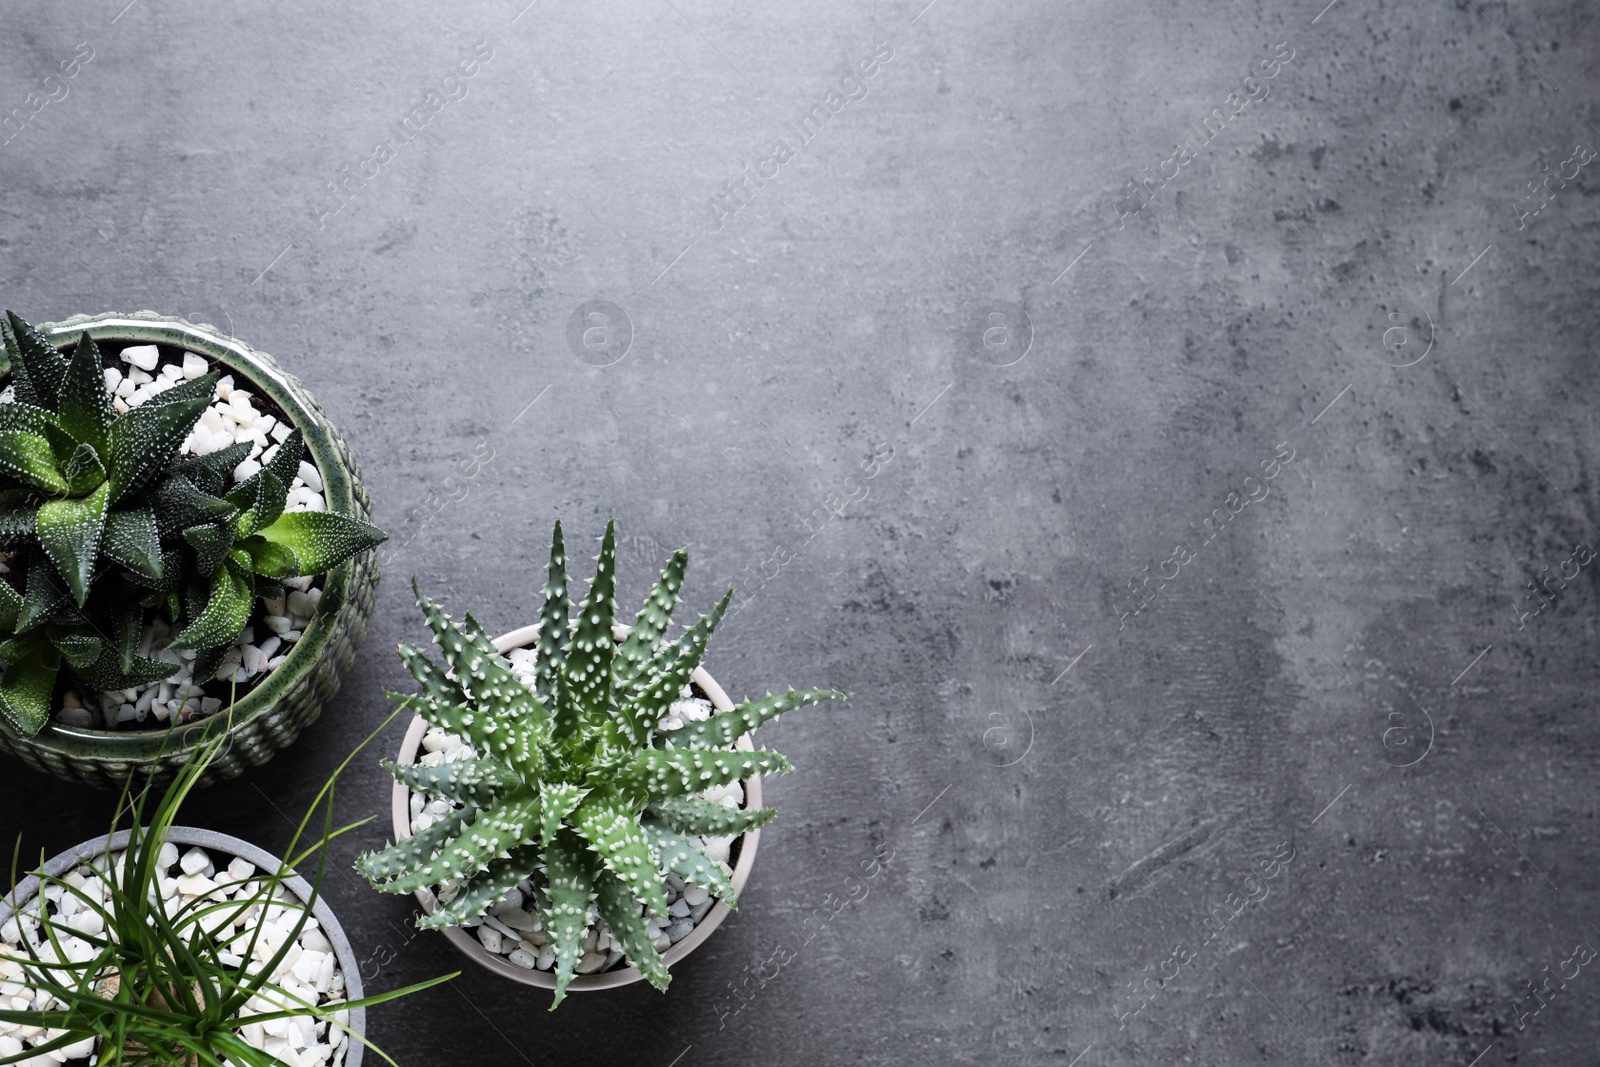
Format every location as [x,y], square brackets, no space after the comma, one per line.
[165,944]
[588,804]
[181,530]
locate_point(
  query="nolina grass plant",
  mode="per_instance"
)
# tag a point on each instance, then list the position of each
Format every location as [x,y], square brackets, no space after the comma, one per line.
[162,986]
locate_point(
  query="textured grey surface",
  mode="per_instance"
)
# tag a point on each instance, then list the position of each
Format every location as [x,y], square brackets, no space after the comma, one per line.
[1056,832]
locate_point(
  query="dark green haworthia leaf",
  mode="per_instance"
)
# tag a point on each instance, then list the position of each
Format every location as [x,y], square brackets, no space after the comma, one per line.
[20,416]
[108,674]
[478,783]
[589,654]
[227,608]
[691,815]
[69,532]
[223,460]
[18,509]
[621,913]
[83,470]
[484,888]
[680,857]
[10,607]
[180,505]
[79,644]
[38,367]
[31,663]
[321,540]
[42,594]
[29,458]
[404,855]
[564,904]
[270,559]
[260,499]
[725,728]
[655,774]
[85,405]
[285,465]
[132,540]
[145,440]
[651,622]
[207,661]
[202,388]
[555,630]
[613,832]
[211,545]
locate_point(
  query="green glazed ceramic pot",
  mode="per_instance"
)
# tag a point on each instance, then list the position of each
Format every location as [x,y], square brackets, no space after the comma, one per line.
[271,715]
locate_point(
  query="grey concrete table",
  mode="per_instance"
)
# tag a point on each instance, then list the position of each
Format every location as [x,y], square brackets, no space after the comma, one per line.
[1154,415]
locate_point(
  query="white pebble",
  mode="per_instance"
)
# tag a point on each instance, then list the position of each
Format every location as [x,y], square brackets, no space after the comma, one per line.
[522,958]
[309,475]
[194,861]
[490,938]
[193,365]
[145,357]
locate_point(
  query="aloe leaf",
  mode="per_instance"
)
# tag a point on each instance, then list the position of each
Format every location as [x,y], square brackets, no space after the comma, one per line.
[564,905]
[613,832]
[478,783]
[69,532]
[29,458]
[144,441]
[39,368]
[674,665]
[487,733]
[588,668]
[488,679]
[492,835]
[85,405]
[321,540]
[560,798]
[727,727]
[211,545]
[555,630]
[651,622]
[404,855]
[132,540]
[679,855]
[436,684]
[28,682]
[621,913]
[691,815]
[656,774]
[484,888]
[227,608]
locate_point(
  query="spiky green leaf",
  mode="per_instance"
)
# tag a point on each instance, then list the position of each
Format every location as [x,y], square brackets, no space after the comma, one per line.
[83,470]
[10,607]
[29,458]
[613,832]
[20,416]
[620,911]
[43,593]
[406,854]
[674,664]
[31,663]
[674,773]
[211,544]
[436,684]
[69,532]
[260,499]
[477,783]
[555,630]
[108,673]
[588,668]
[681,857]
[651,622]
[491,836]
[179,504]
[484,731]
[18,510]
[321,540]
[227,607]
[132,540]
[560,798]
[36,364]
[85,405]
[691,815]
[564,904]
[484,889]
[144,441]
[727,727]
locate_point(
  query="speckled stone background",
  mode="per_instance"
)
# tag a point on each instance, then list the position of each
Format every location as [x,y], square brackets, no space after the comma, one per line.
[931,391]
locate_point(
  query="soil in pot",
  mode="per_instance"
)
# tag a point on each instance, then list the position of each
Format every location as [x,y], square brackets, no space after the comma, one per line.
[511,929]
[136,372]
[311,971]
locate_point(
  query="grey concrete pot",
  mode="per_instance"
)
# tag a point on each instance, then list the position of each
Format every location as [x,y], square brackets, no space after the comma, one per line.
[225,844]
[621,976]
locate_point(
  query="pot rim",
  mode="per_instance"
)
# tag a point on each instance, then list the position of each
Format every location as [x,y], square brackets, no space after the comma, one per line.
[458,936]
[215,840]
[239,358]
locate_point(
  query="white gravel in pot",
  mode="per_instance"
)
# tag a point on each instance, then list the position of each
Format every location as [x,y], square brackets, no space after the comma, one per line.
[234,415]
[310,970]
[512,928]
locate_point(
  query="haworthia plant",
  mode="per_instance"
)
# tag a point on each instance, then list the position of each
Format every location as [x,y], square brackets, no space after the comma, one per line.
[102,527]
[572,785]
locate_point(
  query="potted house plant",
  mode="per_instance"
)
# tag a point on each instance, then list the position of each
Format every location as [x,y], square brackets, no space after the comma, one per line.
[181,529]
[579,802]
[166,944]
